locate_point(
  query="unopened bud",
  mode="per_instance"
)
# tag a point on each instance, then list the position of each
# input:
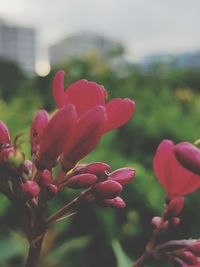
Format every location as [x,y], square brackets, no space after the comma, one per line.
[195,248]
[53,189]
[30,189]
[16,158]
[174,207]
[81,181]
[156,221]
[108,189]
[189,258]
[97,168]
[27,167]
[4,134]
[117,202]
[122,175]
[189,156]
[46,177]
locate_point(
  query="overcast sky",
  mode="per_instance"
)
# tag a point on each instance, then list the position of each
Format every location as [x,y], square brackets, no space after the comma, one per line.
[146,26]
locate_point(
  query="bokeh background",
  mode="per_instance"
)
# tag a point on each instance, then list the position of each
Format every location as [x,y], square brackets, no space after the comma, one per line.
[145,50]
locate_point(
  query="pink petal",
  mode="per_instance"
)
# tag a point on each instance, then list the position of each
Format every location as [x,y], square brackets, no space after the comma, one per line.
[119,111]
[59,129]
[84,95]
[58,88]
[89,131]
[163,152]
[4,134]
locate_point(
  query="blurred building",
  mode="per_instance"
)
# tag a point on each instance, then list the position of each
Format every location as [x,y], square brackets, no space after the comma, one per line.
[18,45]
[81,45]
[187,60]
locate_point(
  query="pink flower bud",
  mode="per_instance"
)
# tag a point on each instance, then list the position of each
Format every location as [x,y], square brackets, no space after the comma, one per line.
[195,248]
[117,202]
[189,156]
[5,151]
[30,189]
[88,133]
[37,129]
[123,175]
[156,220]
[46,177]
[108,189]
[4,134]
[174,207]
[176,221]
[27,167]
[189,258]
[53,189]
[97,168]
[81,181]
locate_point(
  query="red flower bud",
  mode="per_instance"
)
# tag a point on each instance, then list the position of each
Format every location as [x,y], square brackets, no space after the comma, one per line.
[189,258]
[4,134]
[59,130]
[88,133]
[195,248]
[189,156]
[174,207]
[46,178]
[81,181]
[156,220]
[30,189]
[97,168]
[117,202]
[37,129]
[52,189]
[108,189]
[123,175]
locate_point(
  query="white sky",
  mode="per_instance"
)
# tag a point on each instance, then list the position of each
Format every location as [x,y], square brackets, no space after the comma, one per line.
[146,26]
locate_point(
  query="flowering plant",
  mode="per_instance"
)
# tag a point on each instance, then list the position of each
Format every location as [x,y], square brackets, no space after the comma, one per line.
[58,143]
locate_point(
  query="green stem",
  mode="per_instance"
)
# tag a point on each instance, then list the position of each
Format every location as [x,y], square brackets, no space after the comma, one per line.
[34,252]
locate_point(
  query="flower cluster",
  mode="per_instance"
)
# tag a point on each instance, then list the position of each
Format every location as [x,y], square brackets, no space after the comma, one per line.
[61,141]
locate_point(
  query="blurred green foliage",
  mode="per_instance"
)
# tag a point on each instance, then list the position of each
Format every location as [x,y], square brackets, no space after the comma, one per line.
[167,106]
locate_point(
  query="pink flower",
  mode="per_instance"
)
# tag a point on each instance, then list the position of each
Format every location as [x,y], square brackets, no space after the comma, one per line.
[174,178]
[87,95]
[94,117]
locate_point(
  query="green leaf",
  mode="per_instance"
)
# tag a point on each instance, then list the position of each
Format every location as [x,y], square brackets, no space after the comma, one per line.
[122,259]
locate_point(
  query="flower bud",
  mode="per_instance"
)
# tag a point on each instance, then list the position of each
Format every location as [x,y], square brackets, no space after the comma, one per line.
[156,220]
[189,156]
[27,167]
[81,181]
[15,158]
[53,189]
[4,134]
[174,207]
[46,177]
[37,129]
[108,189]
[117,202]
[122,175]
[97,168]
[189,258]
[30,189]
[195,248]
